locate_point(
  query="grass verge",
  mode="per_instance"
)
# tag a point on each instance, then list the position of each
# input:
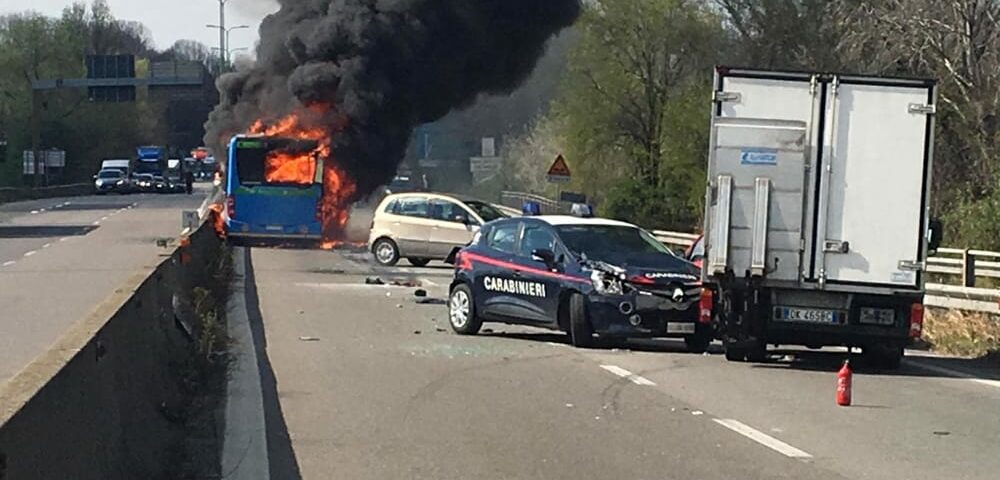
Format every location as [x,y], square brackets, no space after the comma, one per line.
[963,333]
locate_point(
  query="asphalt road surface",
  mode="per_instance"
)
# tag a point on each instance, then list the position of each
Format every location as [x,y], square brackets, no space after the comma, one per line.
[364,382]
[59,258]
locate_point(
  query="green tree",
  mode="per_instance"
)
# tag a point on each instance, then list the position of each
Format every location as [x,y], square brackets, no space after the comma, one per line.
[635,107]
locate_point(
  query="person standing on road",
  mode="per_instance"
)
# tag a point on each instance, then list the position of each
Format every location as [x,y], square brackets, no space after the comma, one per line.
[188,182]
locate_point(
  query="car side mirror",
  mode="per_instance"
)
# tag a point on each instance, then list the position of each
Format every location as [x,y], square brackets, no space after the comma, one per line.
[544,255]
[935,235]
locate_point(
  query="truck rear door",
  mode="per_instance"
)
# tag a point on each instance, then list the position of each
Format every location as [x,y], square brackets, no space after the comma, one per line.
[872,199]
[868,162]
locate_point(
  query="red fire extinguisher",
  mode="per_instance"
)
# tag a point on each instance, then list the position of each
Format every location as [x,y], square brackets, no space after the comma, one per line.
[844,384]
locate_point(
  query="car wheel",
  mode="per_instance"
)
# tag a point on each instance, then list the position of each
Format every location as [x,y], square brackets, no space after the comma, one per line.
[386,252]
[419,262]
[699,342]
[581,332]
[462,311]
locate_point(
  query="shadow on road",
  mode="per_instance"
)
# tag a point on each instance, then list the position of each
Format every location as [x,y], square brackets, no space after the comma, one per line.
[651,345]
[913,366]
[281,456]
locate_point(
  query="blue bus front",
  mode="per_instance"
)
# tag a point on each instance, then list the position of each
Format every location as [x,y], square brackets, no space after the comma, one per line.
[264,210]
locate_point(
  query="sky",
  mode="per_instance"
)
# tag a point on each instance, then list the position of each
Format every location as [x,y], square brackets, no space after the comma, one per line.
[172,20]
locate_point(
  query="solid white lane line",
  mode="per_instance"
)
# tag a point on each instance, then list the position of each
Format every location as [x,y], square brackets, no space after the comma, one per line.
[28,254]
[9,263]
[761,438]
[64,239]
[621,372]
[953,373]
[47,245]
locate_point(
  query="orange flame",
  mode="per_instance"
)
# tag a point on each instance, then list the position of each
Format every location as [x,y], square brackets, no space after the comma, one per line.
[215,211]
[300,168]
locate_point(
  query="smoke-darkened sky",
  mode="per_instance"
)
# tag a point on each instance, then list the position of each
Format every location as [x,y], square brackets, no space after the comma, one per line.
[171,20]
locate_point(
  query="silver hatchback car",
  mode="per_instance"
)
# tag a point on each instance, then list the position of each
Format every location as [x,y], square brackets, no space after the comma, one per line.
[421,227]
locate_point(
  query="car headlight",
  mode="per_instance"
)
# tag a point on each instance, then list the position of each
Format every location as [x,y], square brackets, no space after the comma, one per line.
[121,182]
[606,284]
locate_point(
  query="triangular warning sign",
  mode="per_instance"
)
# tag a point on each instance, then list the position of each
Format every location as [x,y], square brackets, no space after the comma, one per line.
[559,168]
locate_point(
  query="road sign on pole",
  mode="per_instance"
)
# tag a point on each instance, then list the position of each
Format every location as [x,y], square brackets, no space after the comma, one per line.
[559,171]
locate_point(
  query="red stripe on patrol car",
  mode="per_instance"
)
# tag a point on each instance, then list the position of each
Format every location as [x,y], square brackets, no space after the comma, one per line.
[514,266]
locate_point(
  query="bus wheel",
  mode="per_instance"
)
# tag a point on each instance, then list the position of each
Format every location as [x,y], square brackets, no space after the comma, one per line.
[386,252]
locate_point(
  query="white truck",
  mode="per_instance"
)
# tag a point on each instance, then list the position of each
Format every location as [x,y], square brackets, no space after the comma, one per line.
[817,225]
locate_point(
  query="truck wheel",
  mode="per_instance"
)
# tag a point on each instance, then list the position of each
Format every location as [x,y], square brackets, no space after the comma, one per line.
[735,354]
[386,252]
[888,358]
[462,311]
[699,342]
[757,353]
[581,332]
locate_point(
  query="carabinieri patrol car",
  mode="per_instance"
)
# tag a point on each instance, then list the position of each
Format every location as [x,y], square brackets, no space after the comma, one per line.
[584,276]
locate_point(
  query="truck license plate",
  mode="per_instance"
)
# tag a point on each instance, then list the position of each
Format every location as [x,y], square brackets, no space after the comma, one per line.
[790,314]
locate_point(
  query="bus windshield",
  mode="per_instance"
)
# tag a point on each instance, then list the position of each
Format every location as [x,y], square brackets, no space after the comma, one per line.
[276,162]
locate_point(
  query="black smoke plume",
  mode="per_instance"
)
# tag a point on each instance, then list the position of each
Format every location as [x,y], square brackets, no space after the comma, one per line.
[382,67]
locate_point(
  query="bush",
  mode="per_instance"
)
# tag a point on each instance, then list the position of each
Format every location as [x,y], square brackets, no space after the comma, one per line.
[651,207]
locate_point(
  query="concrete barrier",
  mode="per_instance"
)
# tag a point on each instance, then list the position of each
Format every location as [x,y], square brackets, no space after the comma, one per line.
[97,405]
[8,194]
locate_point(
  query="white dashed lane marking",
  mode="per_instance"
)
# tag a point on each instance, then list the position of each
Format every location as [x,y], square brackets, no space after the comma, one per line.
[28,254]
[9,263]
[47,245]
[761,438]
[621,372]
[954,373]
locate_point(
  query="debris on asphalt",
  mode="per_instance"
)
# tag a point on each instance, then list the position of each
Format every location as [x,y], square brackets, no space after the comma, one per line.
[308,339]
[487,330]
[301,312]
[374,281]
[404,282]
[439,329]
[943,434]
[416,332]
[431,301]
[569,405]
[420,293]
[399,305]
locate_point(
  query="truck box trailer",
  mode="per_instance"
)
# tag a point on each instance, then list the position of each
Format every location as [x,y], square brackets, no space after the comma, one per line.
[817,224]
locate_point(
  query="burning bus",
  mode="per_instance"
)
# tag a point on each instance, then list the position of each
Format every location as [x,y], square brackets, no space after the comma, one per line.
[274,189]
[282,184]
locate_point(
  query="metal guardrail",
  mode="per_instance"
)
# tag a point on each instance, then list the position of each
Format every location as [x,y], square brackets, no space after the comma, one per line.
[967,265]
[516,199]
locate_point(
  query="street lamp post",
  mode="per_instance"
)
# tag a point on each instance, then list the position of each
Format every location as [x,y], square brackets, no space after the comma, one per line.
[224,41]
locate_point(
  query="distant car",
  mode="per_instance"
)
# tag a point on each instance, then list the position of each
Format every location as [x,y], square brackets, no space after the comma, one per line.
[110,180]
[584,276]
[425,226]
[144,182]
[696,252]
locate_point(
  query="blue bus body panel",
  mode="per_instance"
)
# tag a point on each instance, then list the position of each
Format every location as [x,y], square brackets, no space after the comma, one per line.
[271,211]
